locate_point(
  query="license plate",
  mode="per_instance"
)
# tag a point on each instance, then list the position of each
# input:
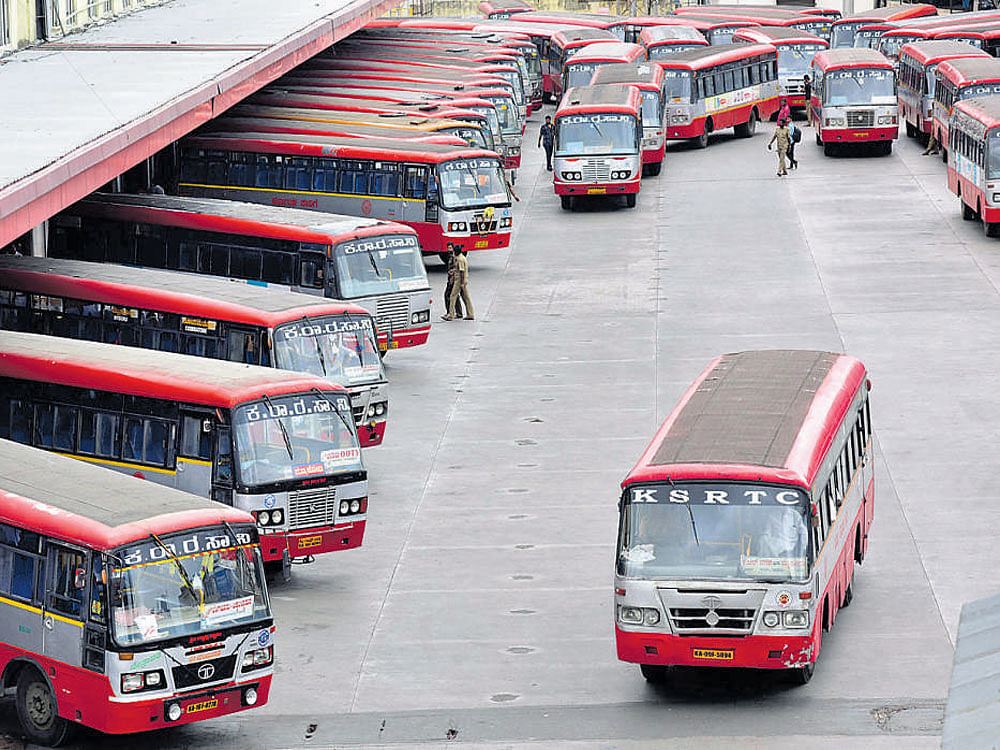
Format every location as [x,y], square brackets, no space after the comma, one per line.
[481,244]
[201,706]
[711,653]
[310,541]
[861,135]
[382,346]
[596,191]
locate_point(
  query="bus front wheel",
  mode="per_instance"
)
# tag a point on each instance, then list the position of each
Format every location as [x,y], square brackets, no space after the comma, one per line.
[37,710]
[701,141]
[653,672]
[991,228]
[802,675]
[630,200]
[567,202]
[654,168]
[968,212]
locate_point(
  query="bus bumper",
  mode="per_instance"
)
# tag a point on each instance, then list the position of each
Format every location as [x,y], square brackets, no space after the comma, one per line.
[608,188]
[306,542]
[691,130]
[492,241]
[855,135]
[654,155]
[371,433]
[404,338]
[755,651]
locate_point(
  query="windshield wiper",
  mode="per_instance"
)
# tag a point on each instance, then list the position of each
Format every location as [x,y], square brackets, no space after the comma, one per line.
[281,426]
[598,129]
[694,526]
[371,257]
[475,178]
[336,411]
[180,568]
[319,350]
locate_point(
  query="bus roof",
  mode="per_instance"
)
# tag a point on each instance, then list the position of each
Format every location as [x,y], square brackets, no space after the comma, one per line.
[197,295]
[985,109]
[717,54]
[385,119]
[985,31]
[235,217]
[778,35]
[284,125]
[342,147]
[612,51]
[333,97]
[348,105]
[596,99]
[145,372]
[594,20]
[681,32]
[570,37]
[966,70]
[851,57]
[370,82]
[766,416]
[642,74]
[88,505]
[521,27]
[936,50]
[890,13]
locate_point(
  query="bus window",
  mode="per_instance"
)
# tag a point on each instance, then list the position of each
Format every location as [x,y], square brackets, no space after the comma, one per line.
[98,433]
[311,271]
[196,437]
[415,184]
[67,581]
[243,347]
[98,588]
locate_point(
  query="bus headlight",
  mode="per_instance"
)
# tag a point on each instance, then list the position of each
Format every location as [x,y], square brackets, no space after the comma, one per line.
[457,226]
[796,619]
[505,223]
[996,197]
[345,507]
[639,615]
[572,176]
[420,317]
[263,518]
[649,143]
[355,506]
[886,120]
[135,681]
[650,616]
[276,517]
[835,122]
[132,682]
[678,118]
[174,712]
[622,175]
[257,658]
[377,410]
[771,619]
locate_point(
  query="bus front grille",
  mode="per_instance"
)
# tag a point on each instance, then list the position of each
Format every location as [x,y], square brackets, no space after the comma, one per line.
[687,619]
[595,171]
[392,313]
[309,508]
[482,226]
[202,673]
[860,118]
[359,414]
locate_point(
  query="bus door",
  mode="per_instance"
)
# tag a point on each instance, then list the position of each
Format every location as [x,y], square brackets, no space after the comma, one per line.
[416,207]
[64,610]
[194,452]
[245,345]
[312,271]
[222,464]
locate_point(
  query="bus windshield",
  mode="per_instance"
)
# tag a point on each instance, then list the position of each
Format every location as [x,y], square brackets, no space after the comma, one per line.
[650,109]
[610,133]
[843,33]
[296,436]
[186,583]
[579,74]
[665,50]
[993,154]
[677,86]
[890,46]
[379,265]
[858,86]
[795,60]
[471,135]
[341,349]
[505,113]
[756,533]
[991,88]
[514,79]
[492,121]
[472,183]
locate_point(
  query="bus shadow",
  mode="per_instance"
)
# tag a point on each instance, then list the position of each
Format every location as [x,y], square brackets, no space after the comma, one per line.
[856,150]
[597,203]
[713,139]
[698,685]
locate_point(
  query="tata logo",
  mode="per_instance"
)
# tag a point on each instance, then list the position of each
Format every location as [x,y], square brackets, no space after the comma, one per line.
[712,602]
[205,672]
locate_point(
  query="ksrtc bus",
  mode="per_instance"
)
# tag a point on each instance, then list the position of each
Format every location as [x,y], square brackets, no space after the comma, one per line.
[112,588]
[564,45]
[303,251]
[229,124]
[974,160]
[955,80]
[452,197]
[854,99]
[716,30]
[580,66]
[730,85]
[503,9]
[741,525]
[817,25]
[842,30]
[663,41]
[598,143]
[649,80]
[204,317]
[614,24]
[795,53]
[281,445]
[917,63]
[985,37]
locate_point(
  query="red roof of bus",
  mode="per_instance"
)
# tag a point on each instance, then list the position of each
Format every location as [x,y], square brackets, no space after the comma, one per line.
[334,97]
[643,75]
[587,100]
[719,54]
[608,52]
[986,31]
[985,109]
[778,35]
[705,25]
[809,441]
[934,51]
[568,18]
[570,38]
[521,27]
[264,124]
[851,57]
[965,71]
[145,372]
[890,13]
[655,36]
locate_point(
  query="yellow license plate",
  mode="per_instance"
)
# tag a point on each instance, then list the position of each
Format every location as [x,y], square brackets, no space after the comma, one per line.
[202,706]
[861,135]
[481,244]
[310,541]
[711,653]
[382,346]
[596,191]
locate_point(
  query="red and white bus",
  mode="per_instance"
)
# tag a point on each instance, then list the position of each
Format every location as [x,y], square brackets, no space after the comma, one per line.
[126,606]
[300,127]
[898,33]
[716,30]
[503,9]
[565,44]
[598,144]
[917,63]
[795,53]
[774,19]
[725,86]
[281,445]
[842,31]
[854,99]
[649,80]
[451,196]
[580,66]
[201,316]
[738,532]
[985,36]
[974,160]
[663,41]
[955,80]
[302,251]
[615,24]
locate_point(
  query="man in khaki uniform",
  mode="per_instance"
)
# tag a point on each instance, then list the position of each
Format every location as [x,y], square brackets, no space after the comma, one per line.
[460,288]
[783,138]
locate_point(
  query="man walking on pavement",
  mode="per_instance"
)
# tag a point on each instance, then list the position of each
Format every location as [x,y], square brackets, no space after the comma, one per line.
[547,138]
[452,265]
[461,288]
[783,139]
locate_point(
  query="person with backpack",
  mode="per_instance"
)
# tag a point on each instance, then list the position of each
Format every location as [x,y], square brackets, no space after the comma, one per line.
[795,135]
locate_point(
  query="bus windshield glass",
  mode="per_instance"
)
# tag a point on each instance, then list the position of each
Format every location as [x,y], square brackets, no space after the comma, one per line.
[471,135]
[843,33]
[858,86]
[505,113]
[379,265]
[341,349]
[677,86]
[187,583]
[514,79]
[579,74]
[292,437]
[991,88]
[890,46]
[726,531]
[472,183]
[993,154]
[650,109]
[493,122]
[795,60]
[665,50]
[611,133]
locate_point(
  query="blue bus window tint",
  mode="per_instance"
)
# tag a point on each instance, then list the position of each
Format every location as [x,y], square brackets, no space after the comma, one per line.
[278,268]
[20,420]
[187,259]
[22,584]
[195,441]
[64,434]
[64,596]
[44,418]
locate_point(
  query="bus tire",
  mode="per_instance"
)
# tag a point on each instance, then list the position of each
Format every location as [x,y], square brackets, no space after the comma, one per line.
[37,710]
[444,257]
[944,155]
[630,200]
[968,212]
[991,228]
[886,148]
[802,675]
[566,201]
[911,131]
[654,673]
[701,141]
[848,593]
[654,168]
[827,149]
[748,128]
